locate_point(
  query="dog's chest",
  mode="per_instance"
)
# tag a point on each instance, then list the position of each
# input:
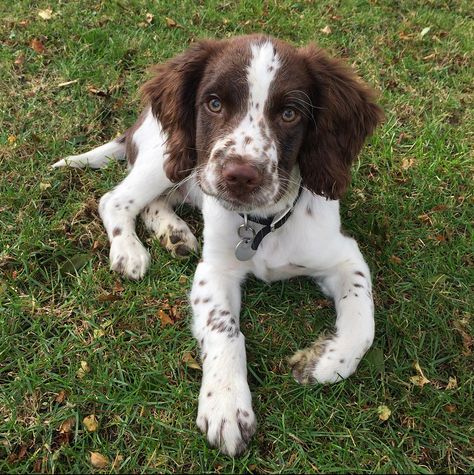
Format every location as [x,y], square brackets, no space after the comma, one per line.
[273,261]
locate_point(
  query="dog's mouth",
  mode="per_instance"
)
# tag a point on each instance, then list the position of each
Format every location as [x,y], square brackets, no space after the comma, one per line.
[242,202]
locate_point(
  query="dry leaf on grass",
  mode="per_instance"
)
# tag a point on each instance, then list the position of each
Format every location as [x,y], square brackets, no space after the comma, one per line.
[67,425]
[170,23]
[190,361]
[37,45]
[452,383]
[419,380]
[407,163]
[326,30]
[60,397]
[98,460]
[83,370]
[164,318]
[91,423]
[45,14]
[384,412]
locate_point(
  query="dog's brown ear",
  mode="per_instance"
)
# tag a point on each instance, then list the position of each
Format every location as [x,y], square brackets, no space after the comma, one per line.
[171,93]
[345,113]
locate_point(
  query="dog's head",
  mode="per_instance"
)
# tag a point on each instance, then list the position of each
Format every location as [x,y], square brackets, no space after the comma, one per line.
[251,113]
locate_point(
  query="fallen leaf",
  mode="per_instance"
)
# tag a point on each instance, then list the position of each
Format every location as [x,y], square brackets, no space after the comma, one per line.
[98,460]
[164,318]
[91,423]
[67,425]
[37,45]
[20,59]
[407,163]
[83,370]
[44,186]
[60,397]
[395,259]
[182,279]
[70,266]
[425,219]
[45,14]
[117,461]
[326,30]
[170,23]
[98,333]
[419,380]
[452,383]
[11,139]
[109,297]
[462,327]
[190,361]
[384,412]
[450,408]
[424,31]
[149,17]
[376,360]
[118,287]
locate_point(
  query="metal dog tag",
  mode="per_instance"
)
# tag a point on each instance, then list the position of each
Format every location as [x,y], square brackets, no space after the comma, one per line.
[243,250]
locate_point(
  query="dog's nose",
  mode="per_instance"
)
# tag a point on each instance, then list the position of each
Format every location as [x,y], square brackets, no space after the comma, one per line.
[242,176]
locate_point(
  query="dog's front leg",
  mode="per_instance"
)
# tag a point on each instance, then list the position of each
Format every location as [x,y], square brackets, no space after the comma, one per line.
[225,411]
[333,357]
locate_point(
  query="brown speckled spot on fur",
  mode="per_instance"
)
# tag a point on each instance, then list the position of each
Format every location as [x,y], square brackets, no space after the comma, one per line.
[303,362]
[196,301]
[309,211]
[174,238]
[117,231]
[360,273]
[357,285]
[206,300]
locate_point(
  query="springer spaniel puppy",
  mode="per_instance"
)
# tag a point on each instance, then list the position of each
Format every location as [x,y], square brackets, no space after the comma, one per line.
[260,135]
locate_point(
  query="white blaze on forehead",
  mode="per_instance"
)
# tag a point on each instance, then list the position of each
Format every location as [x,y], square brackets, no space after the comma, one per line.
[261,72]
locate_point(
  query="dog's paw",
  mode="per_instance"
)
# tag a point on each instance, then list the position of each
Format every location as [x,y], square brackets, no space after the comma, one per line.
[179,241]
[227,418]
[128,257]
[328,360]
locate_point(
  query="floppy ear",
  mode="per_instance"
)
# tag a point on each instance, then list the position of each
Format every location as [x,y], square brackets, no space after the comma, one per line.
[171,93]
[345,113]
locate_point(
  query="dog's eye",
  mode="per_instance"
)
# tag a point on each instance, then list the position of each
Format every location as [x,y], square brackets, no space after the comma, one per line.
[215,105]
[288,114]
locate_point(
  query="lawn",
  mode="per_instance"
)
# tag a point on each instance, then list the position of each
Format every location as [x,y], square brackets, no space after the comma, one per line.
[78,341]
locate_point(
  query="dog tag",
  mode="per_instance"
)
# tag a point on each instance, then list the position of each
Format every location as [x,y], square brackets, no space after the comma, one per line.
[243,250]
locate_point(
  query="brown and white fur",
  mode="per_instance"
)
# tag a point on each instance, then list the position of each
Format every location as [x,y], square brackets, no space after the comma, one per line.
[234,126]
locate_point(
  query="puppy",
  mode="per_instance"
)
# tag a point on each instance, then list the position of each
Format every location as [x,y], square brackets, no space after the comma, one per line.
[260,136]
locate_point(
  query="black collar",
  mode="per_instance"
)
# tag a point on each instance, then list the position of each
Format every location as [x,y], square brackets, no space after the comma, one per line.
[268,225]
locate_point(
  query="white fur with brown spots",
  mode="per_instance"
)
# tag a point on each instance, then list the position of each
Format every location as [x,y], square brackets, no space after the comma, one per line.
[235,125]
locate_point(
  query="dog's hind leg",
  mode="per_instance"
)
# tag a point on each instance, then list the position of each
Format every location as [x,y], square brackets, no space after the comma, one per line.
[173,233]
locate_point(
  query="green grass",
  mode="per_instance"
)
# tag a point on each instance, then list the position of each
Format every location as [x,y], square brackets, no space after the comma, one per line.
[409,207]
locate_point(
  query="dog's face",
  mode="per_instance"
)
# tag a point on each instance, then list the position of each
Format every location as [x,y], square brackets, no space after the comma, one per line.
[249,113]
[251,118]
